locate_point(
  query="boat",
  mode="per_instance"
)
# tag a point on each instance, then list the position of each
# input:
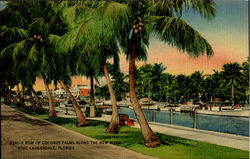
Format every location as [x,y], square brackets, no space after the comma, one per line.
[146,103]
[188,108]
[174,107]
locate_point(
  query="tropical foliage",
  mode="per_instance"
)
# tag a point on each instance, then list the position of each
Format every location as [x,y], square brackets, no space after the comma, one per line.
[197,86]
[58,40]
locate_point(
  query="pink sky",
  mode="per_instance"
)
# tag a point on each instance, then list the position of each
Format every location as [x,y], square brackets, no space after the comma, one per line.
[227,33]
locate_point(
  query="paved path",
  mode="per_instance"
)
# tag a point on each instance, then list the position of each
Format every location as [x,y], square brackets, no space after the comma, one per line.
[18,127]
[224,139]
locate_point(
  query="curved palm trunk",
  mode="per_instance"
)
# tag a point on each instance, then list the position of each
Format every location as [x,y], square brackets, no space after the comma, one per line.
[150,138]
[7,93]
[52,112]
[33,103]
[113,126]
[81,120]
[18,96]
[22,98]
[9,96]
[4,90]
[232,94]
[92,97]
[40,109]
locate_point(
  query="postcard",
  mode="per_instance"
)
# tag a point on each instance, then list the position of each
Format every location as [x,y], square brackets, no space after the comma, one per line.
[124,79]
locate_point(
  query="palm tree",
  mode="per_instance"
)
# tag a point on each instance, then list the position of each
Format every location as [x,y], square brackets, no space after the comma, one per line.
[135,21]
[39,105]
[32,52]
[232,76]
[245,72]
[212,86]
[65,68]
[196,80]
[74,43]
[81,120]
[93,44]
[151,77]
[119,84]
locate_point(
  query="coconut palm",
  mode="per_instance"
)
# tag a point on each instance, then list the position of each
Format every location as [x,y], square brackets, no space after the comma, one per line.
[93,44]
[72,42]
[135,21]
[119,84]
[10,33]
[212,87]
[65,68]
[150,78]
[196,81]
[245,72]
[232,74]
[156,79]
[180,88]
[32,52]
[39,105]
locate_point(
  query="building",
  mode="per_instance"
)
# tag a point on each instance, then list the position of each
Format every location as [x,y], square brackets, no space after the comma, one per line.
[84,92]
[77,91]
[44,93]
[81,90]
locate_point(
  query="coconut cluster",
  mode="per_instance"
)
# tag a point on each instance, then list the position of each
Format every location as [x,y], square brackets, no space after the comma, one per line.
[39,37]
[139,26]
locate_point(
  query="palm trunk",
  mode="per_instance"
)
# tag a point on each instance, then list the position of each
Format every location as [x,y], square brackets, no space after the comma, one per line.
[18,96]
[9,97]
[232,94]
[52,112]
[150,138]
[22,98]
[33,103]
[7,93]
[4,91]
[92,97]
[40,109]
[81,120]
[113,126]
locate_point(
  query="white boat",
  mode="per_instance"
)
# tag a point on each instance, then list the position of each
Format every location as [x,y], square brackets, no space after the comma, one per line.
[99,103]
[188,108]
[177,109]
[147,104]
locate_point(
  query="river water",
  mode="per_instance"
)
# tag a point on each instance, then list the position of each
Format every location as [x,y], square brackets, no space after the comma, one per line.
[232,125]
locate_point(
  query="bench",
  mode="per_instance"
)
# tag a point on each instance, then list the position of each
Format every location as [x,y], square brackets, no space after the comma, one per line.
[123,118]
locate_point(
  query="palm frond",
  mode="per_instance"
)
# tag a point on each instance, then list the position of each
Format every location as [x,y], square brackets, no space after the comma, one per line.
[173,8]
[11,35]
[176,32]
[39,27]
[22,48]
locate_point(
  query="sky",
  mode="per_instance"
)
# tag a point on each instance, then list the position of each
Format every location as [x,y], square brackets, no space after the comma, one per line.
[227,33]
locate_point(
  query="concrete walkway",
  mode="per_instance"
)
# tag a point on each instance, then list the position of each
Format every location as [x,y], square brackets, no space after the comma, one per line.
[224,139]
[27,137]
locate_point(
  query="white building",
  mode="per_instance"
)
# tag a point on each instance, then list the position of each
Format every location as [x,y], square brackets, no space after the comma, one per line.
[58,93]
[44,93]
[61,92]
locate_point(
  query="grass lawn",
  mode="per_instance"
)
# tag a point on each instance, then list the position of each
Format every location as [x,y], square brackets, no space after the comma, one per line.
[131,138]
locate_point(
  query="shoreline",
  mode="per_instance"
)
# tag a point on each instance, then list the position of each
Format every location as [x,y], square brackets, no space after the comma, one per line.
[239,113]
